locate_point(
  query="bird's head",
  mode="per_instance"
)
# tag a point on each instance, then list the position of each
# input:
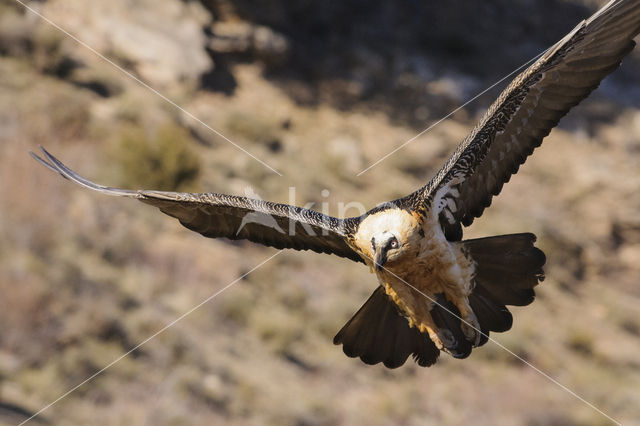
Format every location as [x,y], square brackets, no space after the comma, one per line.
[388,236]
[385,247]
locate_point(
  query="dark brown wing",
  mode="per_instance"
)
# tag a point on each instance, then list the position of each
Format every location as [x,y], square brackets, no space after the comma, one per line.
[218,215]
[525,112]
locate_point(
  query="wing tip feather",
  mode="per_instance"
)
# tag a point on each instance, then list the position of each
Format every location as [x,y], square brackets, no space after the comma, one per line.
[53,164]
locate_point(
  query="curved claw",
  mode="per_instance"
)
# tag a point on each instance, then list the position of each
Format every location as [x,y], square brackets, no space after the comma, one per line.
[471,328]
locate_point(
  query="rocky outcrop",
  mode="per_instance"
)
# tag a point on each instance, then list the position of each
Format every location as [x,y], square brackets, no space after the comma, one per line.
[161,41]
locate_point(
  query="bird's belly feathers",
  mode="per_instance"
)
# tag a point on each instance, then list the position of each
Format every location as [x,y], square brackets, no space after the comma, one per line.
[438,267]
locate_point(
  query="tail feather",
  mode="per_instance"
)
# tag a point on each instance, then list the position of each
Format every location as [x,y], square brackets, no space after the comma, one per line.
[508,267]
[379,333]
[492,316]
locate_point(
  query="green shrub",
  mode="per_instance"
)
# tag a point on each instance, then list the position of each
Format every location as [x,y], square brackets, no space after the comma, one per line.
[162,161]
[580,341]
[253,129]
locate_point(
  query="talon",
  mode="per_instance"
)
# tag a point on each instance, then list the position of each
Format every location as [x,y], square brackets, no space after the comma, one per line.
[471,328]
[446,337]
[442,338]
[434,337]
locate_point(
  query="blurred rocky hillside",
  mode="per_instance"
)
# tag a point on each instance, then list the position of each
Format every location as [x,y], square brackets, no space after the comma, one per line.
[318,91]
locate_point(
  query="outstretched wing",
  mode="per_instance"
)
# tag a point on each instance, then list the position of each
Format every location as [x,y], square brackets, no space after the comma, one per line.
[218,215]
[525,112]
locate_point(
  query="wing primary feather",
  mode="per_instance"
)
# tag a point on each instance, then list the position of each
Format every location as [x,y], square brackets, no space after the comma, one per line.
[45,163]
[58,166]
[526,111]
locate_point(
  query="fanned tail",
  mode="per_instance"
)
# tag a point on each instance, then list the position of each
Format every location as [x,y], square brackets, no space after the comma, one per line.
[508,267]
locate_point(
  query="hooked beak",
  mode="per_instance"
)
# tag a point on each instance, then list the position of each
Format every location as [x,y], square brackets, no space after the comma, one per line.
[379,259]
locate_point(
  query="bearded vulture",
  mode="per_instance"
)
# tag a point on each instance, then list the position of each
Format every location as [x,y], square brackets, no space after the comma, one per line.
[436,291]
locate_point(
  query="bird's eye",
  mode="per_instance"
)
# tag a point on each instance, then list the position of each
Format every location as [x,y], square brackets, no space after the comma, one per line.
[393,243]
[373,244]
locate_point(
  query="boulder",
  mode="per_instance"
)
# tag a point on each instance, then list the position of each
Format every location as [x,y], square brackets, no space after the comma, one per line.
[162,42]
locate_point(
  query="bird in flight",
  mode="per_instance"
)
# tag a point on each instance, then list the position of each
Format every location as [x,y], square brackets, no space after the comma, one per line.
[436,292]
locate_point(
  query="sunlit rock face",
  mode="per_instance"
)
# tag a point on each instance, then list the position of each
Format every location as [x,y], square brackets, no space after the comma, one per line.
[164,48]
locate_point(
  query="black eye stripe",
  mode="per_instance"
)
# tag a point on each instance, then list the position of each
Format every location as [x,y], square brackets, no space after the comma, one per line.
[392,243]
